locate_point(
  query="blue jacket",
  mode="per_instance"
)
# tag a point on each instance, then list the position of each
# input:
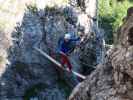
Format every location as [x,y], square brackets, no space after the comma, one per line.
[66,47]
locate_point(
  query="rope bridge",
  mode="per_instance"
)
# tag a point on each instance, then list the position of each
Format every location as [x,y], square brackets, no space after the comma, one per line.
[57,63]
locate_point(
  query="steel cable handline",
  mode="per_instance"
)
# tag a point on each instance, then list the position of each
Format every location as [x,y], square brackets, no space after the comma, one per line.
[57,63]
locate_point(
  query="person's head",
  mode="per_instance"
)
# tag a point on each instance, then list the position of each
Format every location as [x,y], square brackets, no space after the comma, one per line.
[67,37]
[80,34]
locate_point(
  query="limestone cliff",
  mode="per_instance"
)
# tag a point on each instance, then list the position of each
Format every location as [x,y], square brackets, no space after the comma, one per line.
[9,16]
[29,74]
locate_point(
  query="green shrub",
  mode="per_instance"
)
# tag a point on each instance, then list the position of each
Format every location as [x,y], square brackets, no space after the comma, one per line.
[111,13]
[32,8]
[63,86]
[33,91]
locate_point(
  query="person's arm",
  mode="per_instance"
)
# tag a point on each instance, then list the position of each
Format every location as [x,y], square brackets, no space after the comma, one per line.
[59,48]
[75,39]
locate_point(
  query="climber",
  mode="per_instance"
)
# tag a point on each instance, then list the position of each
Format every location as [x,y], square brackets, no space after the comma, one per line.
[65,46]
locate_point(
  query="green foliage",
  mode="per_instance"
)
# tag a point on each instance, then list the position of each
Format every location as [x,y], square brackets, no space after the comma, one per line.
[33,91]
[111,13]
[50,9]
[32,8]
[63,86]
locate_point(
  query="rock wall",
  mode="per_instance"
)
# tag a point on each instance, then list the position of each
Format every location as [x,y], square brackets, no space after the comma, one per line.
[112,80]
[9,16]
[29,73]
[28,68]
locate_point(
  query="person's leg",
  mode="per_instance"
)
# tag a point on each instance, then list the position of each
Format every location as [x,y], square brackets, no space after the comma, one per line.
[69,64]
[65,60]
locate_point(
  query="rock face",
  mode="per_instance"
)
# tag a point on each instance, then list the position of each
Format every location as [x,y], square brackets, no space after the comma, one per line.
[29,73]
[112,80]
[9,16]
